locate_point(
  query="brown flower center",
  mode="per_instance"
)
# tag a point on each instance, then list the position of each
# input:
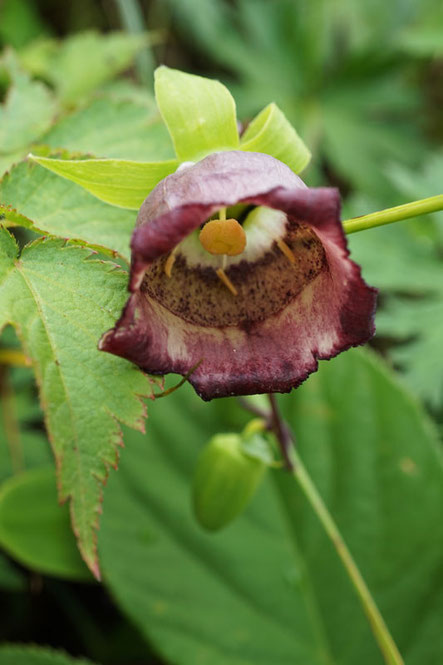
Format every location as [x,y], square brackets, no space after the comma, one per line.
[264,287]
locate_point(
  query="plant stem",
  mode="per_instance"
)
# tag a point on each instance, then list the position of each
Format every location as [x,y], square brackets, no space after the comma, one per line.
[282,432]
[11,428]
[14,358]
[380,630]
[132,19]
[252,408]
[397,214]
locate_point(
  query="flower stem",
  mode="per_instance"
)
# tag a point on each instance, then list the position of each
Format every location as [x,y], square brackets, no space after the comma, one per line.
[282,433]
[380,630]
[397,214]
[378,626]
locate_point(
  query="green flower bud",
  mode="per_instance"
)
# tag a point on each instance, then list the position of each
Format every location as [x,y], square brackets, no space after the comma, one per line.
[225,480]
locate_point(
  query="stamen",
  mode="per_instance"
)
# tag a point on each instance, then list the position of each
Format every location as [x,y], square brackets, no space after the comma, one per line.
[222,214]
[169,263]
[287,251]
[226,281]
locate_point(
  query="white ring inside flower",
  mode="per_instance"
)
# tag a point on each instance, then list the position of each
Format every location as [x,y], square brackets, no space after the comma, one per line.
[263,226]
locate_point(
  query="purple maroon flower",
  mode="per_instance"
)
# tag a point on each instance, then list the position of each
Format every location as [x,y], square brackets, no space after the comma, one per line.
[253,300]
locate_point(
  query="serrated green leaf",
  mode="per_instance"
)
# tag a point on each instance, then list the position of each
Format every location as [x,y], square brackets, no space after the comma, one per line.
[20,654]
[119,182]
[272,133]
[114,128]
[36,198]
[61,301]
[35,529]
[199,113]
[270,588]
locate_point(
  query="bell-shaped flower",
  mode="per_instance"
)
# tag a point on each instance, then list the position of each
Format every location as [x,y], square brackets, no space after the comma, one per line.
[240,275]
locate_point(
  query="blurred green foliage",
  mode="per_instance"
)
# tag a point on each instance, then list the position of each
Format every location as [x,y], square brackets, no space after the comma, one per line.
[338,70]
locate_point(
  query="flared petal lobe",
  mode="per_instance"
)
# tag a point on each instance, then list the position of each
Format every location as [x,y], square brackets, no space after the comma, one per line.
[296,297]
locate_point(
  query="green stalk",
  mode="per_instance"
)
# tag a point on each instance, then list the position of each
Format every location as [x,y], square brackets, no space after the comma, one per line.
[380,630]
[131,17]
[11,426]
[397,214]
[14,358]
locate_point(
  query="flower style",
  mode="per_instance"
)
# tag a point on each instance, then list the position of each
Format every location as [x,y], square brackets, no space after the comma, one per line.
[250,299]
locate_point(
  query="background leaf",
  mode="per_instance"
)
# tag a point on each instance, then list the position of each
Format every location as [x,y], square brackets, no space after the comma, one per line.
[269,588]
[60,302]
[405,261]
[350,101]
[418,326]
[26,113]
[11,579]
[35,529]
[19,22]
[114,127]
[32,655]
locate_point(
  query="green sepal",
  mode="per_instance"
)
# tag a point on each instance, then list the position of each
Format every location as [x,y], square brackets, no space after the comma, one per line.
[120,182]
[198,112]
[271,132]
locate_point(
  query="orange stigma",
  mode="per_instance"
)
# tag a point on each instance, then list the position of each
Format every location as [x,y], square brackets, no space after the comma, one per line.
[223,236]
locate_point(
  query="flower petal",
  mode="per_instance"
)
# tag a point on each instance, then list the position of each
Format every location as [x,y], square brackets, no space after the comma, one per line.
[285,317]
[183,201]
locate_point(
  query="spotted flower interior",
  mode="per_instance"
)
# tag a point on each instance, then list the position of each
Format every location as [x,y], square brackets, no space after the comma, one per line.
[240,273]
